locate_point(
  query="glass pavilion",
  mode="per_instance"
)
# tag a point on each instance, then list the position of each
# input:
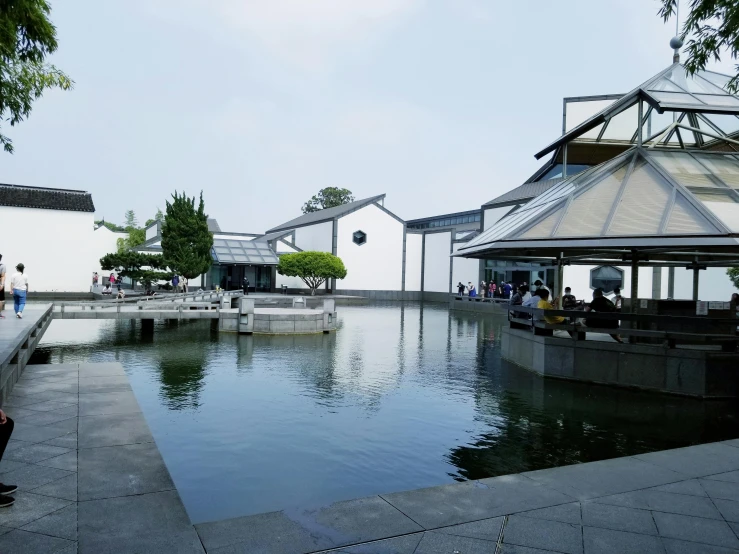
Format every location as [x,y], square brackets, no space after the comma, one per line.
[670,197]
[236,259]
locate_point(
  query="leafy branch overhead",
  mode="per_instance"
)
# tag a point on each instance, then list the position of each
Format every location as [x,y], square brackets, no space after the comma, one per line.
[329,197]
[712,27]
[27,36]
[312,267]
[186,240]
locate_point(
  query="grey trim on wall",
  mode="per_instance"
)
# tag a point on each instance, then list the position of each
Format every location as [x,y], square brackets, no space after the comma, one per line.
[423,260]
[451,258]
[402,279]
[388,212]
[334,244]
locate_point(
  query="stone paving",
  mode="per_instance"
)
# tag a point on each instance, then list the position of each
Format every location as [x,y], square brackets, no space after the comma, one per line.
[91,480]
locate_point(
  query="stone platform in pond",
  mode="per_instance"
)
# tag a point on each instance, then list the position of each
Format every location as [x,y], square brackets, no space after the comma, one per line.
[280,321]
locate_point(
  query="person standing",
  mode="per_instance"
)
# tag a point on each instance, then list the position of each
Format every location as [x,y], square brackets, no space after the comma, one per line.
[95,279]
[184,284]
[493,288]
[507,291]
[618,300]
[111,279]
[460,289]
[245,284]
[6,429]
[175,282]
[2,287]
[483,289]
[19,289]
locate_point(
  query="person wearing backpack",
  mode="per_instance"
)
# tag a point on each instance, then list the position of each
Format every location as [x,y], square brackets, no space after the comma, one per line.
[601,304]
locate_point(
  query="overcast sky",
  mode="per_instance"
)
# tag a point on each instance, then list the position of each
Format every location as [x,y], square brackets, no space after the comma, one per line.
[440,104]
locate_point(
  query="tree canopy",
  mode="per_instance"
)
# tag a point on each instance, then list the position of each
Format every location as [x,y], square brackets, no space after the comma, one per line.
[328,197]
[27,36]
[712,26]
[186,240]
[312,267]
[108,225]
[733,273]
[143,268]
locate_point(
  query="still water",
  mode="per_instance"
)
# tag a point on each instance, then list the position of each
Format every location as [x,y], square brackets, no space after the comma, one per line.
[402,396]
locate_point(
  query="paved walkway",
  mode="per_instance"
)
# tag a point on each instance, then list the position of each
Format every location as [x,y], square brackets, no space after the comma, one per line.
[92,481]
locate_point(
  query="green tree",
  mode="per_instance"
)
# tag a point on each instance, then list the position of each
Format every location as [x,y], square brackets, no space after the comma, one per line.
[733,273]
[186,240]
[158,217]
[312,267]
[112,226]
[143,268]
[131,221]
[27,36]
[329,197]
[713,26]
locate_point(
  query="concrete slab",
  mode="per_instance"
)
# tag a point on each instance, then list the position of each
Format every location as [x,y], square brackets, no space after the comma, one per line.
[113,383]
[104,403]
[618,518]
[65,461]
[33,476]
[146,524]
[113,430]
[34,453]
[608,541]
[696,461]
[543,534]
[721,489]
[29,507]
[696,529]
[48,418]
[487,529]
[21,542]
[112,471]
[62,524]
[585,481]
[103,369]
[439,543]
[65,441]
[64,488]
[398,545]
[674,546]
[698,506]
[729,477]
[691,487]
[566,513]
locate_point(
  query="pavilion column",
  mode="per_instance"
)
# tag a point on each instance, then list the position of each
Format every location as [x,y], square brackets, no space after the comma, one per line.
[559,280]
[671,282]
[634,290]
[696,277]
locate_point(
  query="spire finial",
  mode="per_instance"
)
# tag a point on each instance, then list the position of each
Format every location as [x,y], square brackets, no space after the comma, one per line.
[676,43]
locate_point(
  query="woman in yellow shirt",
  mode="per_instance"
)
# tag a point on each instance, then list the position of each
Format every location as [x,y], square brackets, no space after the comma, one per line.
[544,304]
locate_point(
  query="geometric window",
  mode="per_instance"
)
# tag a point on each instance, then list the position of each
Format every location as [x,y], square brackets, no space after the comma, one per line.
[607,278]
[359,237]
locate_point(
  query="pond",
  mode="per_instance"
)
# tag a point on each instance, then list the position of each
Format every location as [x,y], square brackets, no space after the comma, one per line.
[403,395]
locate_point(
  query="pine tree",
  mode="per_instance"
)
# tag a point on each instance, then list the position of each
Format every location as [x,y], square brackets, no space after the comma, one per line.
[186,240]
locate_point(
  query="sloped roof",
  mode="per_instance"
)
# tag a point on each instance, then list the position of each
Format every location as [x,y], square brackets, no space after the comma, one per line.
[702,102]
[251,252]
[46,198]
[213,226]
[527,191]
[274,236]
[643,197]
[327,214]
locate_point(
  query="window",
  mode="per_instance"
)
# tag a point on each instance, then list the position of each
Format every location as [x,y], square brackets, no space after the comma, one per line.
[359,238]
[607,278]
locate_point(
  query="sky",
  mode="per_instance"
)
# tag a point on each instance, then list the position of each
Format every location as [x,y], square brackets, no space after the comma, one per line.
[439,104]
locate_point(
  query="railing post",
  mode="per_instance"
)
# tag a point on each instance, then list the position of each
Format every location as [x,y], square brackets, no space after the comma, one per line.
[246,315]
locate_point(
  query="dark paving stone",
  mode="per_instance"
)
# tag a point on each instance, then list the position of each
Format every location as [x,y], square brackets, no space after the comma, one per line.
[4,530]
[608,541]
[150,523]
[474,500]
[34,433]
[566,513]
[121,470]
[29,507]
[59,401]
[618,518]
[290,531]
[487,529]
[729,476]
[62,524]
[691,487]
[14,444]
[398,545]
[68,425]
[65,461]
[6,466]
[20,414]
[71,549]
[15,401]
[585,481]
[683,504]
[515,549]
[37,387]
[728,508]
[102,369]
[48,418]
[35,453]
[439,543]
[33,476]
[674,546]
[66,441]
[721,489]
[696,461]
[543,534]
[113,430]
[113,383]
[23,542]
[104,403]
[696,529]
[65,488]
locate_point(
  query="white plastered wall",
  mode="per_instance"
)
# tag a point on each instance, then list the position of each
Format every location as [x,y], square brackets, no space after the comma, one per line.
[318,237]
[56,246]
[378,263]
[464,270]
[103,241]
[413,246]
[436,262]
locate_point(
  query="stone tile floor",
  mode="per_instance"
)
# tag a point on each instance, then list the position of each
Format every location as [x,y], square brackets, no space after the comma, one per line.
[92,481]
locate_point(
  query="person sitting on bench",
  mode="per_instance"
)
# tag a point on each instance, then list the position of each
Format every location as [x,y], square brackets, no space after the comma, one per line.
[601,304]
[544,304]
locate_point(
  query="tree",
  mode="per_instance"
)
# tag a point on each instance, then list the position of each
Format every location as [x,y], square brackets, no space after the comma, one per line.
[131,221]
[713,26]
[312,267]
[186,240]
[329,197]
[144,268]
[733,273]
[112,226]
[27,36]
[135,237]
[158,217]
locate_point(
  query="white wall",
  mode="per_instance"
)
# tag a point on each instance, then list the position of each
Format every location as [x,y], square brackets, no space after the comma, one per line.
[464,269]
[413,245]
[234,237]
[378,263]
[152,230]
[103,241]
[56,246]
[282,247]
[436,262]
[318,237]
[493,215]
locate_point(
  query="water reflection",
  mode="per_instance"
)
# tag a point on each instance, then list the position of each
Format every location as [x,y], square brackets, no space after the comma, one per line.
[403,396]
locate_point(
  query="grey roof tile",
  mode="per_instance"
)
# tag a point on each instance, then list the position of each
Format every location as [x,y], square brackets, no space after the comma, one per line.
[327,214]
[46,198]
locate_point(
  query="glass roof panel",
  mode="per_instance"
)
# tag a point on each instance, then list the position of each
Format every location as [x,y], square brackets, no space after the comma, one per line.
[714,195]
[593,133]
[544,228]
[684,169]
[694,84]
[623,125]
[726,122]
[240,258]
[719,100]
[219,242]
[225,258]
[642,205]
[686,220]
[589,211]
[726,212]
[664,84]
[234,243]
[675,98]
[717,79]
[726,168]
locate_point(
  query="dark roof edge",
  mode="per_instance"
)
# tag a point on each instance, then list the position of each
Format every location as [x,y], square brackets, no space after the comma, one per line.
[360,204]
